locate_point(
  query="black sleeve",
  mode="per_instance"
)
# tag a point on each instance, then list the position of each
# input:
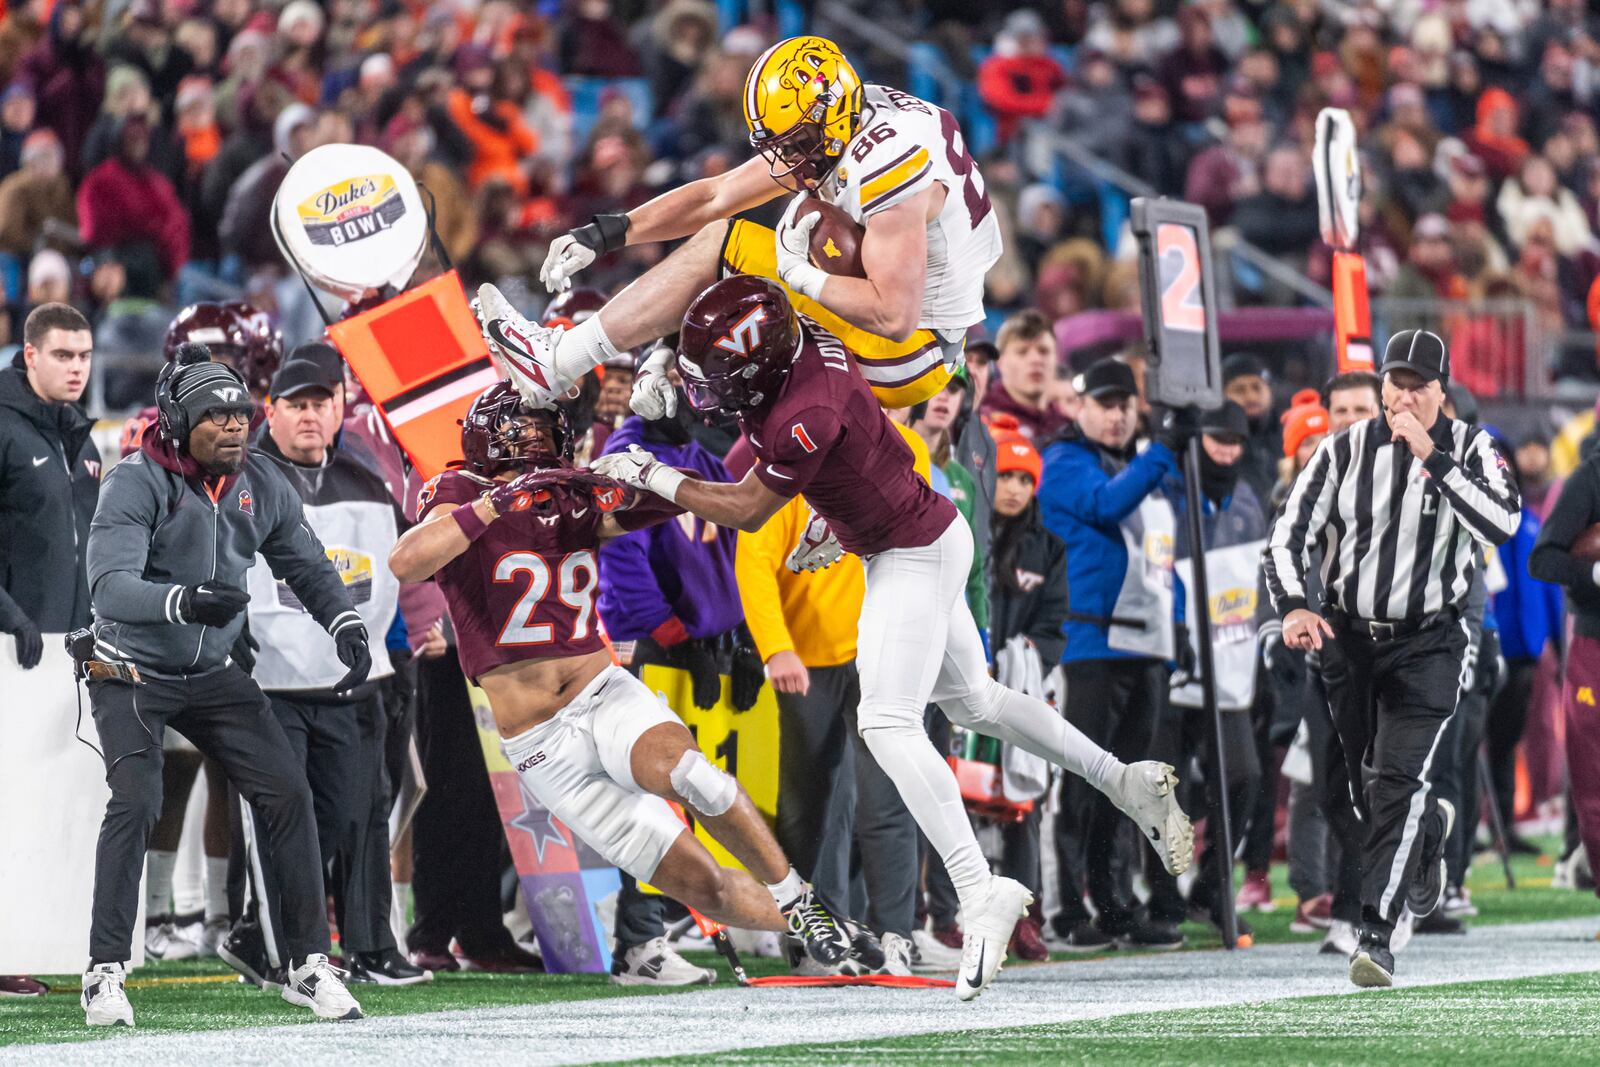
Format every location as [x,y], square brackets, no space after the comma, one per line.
[1574,512]
[1050,605]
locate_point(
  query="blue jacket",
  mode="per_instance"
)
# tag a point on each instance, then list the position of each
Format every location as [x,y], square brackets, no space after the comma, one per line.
[1529,611]
[670,569]
[1083,499]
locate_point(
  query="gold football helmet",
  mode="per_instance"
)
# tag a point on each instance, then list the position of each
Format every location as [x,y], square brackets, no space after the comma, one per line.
[802,102]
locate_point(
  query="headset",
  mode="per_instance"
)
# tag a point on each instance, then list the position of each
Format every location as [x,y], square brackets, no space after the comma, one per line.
[172,419]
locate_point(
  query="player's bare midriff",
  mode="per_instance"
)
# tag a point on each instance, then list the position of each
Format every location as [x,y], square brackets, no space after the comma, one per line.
[522,695]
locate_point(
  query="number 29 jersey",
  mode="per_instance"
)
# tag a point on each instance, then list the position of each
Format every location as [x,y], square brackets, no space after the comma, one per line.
[525,589]
[904,145]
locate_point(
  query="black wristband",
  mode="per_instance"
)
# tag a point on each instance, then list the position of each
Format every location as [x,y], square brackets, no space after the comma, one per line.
[603,233]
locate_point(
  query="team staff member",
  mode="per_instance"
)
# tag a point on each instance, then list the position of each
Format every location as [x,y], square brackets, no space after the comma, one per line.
[49,482]
[337,736]
[178,524]
[1403,506]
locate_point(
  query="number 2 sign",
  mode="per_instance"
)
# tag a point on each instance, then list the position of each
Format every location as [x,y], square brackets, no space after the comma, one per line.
[1178,299]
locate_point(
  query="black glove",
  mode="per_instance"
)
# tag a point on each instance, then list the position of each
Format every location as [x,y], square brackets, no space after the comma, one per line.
[603,233]
[699,658]
[1184,667]
[244,650]
[748,673]
[353,653]
[211,604]
[1179,426]
[30,645]
[1286,665]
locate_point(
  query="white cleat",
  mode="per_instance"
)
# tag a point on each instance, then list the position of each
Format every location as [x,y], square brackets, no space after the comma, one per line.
[654,963]
[1147,793]
[213,934]
[526,349]
[988,931]
[1340,940]
[104,1000]
[896,955]
[316,985]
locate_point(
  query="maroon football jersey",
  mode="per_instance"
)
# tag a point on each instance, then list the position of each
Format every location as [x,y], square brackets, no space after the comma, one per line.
[526,588]
[826,436]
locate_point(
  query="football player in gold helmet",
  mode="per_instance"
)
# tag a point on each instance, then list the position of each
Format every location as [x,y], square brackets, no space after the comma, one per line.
[892,162]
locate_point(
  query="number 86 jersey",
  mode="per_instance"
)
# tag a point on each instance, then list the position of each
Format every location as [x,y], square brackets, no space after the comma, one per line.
[524,590]
[903,146]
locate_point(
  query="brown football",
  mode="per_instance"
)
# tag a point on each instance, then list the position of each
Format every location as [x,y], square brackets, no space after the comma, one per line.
[836,241]
[1586,546]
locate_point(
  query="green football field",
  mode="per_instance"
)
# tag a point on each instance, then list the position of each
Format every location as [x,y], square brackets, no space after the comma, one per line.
[1522,986]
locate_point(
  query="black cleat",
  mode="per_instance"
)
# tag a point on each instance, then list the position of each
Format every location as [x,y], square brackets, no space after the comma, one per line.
[811,923]
[1087,937]
[1427,887]
[1151,935]
[387,967]
[245,950]
[1440,923]
[1372,966]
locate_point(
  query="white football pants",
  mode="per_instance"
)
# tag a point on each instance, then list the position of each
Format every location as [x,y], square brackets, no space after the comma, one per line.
[919,643]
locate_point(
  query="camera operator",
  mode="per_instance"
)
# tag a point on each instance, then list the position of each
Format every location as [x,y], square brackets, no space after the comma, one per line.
[177,527]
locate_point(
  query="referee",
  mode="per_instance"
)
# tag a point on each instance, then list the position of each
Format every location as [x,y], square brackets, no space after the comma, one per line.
[1402,507]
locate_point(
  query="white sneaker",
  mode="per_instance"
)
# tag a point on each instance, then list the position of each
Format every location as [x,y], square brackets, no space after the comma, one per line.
[988,931]
[932,954]
[654,963]
[896,955]
[316,985]
[164,941]
[1340,940]
[1404,927]
[1146,793]
[526,349]
[104,1000]
[213,934]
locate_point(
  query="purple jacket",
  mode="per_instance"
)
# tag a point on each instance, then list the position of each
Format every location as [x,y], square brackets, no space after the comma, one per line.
[669,570]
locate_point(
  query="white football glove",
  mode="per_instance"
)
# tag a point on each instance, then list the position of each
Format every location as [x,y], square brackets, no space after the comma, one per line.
[640,469]
[653,395]
[567,256]
[795,268]
[818,548]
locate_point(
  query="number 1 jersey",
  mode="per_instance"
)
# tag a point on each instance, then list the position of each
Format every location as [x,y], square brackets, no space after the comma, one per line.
[526,588]
[904,145]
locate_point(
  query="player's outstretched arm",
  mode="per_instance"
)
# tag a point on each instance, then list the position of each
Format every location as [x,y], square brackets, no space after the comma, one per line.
[746,505]
[443,536]
[682,211]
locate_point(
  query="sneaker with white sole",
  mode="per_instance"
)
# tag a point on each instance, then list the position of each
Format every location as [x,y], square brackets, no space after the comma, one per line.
[164,940]
[526,349]
[1340,940]
[811,923]
[654,963]
[316,985]
[931,954]
[896,955]
[1147,793]
[988,928]
[104,1000]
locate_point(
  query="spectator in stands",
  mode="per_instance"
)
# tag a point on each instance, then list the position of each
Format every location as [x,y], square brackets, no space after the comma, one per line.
[1154,150]
[130,210]
[1551,96]
[34,195]
[244,231]
[1026,363]
[1041,212]
[485,109]
[1416,189]
[1098,113]
[681,34]
[1222,175]
[713,108]
[410,140]
[1097,490]
[1020,78]
[69,77]
[1428,274]
[1193,72]
[1469,190]
[1247,383]
[1281,219]
[1535,193]
[1131,33]
[1494,137]
[49,278]
[1027,592]
[593,42]
[128,95]
[17,115]
[21,30]
[45,587]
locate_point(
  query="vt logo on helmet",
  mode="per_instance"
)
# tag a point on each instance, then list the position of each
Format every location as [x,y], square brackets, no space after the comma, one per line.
[738,340]
[802,102]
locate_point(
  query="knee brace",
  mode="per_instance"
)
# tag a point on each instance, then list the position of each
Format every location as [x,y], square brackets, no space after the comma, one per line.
[709,790]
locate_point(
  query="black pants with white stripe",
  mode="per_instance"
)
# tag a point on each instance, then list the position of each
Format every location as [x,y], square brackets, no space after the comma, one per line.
[1391,701]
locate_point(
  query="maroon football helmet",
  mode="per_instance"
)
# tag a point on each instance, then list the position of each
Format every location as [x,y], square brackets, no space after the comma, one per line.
[237,333]
[738,340]
[572,307]
[495,437]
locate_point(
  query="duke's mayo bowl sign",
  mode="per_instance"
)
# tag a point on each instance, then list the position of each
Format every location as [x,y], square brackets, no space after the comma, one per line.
[350,217]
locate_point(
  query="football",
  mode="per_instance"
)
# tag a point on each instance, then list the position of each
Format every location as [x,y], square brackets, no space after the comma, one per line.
[1586,546]
[836,241]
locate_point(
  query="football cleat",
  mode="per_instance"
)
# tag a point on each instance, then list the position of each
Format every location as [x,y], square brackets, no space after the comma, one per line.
[931,954]
[386,967]
[1147,793]
[316,985]
[654,963]
[1340,939]
[988,930]
[104,1000]
[826,940]
[526,349]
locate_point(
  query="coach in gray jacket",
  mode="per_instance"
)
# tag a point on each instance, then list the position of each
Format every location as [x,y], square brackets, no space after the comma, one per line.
[178,524]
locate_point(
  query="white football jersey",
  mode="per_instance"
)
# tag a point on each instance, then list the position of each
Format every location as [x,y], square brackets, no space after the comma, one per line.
[903,146]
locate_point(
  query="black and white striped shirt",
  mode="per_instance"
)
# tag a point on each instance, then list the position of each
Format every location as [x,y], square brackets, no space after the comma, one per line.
[1399,537]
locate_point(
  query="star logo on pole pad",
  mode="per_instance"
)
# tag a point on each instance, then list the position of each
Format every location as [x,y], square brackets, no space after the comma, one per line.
[539,824]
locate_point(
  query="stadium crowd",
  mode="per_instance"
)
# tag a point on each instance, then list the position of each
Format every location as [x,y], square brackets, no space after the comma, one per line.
[141,144]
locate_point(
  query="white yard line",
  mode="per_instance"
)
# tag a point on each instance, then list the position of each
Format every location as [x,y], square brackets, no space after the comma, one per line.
[719,1020]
